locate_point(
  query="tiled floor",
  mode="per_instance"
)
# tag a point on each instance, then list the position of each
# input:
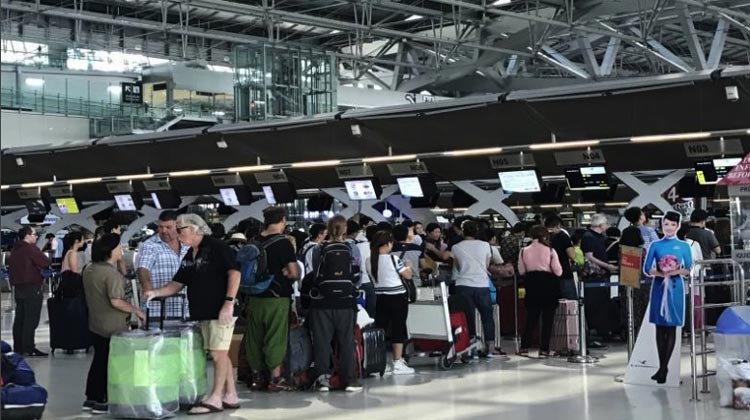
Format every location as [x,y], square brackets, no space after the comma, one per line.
[516,389]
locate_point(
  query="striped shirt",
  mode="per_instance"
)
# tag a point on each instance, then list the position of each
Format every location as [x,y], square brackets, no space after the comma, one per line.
[649,235]
[388,280]
[162,263]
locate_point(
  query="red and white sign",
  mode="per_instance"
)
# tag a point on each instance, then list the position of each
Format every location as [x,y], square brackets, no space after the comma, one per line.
[739,175]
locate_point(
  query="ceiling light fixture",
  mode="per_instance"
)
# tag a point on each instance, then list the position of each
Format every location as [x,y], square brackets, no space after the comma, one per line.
[584,205]
[395,158]
[414,17]
[565,144]
[38,184]
[19,161]
[671,137]
[132,177]
[356,130]
[222,144]
[253,168]
[501,2]
[190,173]
[4,187]
[473,152]
[84,181]
[316,164]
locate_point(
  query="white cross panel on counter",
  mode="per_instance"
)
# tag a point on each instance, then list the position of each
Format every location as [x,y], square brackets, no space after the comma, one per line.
[254,210]
[150,214]
[487,200]
[649,193]
[353,207]
[83,219]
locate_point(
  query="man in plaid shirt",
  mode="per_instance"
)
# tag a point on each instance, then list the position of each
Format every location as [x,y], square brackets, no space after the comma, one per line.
[159,259]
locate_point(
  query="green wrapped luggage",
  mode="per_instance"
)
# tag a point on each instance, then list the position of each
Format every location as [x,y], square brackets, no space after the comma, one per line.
[144,374]
[193,381]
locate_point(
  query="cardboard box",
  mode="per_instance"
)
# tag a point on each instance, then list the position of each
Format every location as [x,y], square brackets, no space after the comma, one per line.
[234,349]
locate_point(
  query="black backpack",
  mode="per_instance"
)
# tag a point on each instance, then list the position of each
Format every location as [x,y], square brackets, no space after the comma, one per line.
[337,272]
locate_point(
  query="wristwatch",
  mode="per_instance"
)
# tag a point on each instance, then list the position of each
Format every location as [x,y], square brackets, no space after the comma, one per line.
[229,299]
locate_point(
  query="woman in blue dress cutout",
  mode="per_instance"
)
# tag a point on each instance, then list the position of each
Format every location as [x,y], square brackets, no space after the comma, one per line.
[668,261]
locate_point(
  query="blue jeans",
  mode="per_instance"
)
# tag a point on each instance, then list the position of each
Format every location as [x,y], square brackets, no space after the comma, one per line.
[479,299]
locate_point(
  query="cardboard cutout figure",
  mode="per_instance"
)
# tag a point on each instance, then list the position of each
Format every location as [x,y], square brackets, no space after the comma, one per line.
[668,261]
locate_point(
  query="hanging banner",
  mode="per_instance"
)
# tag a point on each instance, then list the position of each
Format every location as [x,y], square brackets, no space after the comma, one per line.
[630,266]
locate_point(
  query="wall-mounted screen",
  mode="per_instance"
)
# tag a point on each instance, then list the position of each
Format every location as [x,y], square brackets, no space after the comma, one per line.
[712,171]
[36,207]
[125,202]
[526,181]
[587,178]
[229,196]
[410,186]
[270,196]
[67,205]
[361,189]
[166,200]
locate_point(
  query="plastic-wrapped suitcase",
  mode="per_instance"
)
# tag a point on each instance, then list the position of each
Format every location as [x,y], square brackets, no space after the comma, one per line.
[565,330]
[193,380]
[144,375]
[498,342]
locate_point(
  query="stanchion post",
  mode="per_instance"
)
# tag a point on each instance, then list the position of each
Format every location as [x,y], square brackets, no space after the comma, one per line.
[583,357]
[631,321]
[693,361]
[515,313]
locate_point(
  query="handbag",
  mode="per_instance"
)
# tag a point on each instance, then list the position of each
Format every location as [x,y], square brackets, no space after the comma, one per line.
[409,285]
[592,271]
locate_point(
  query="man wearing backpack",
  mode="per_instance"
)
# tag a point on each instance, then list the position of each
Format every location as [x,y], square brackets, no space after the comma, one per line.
[318,233]
[268,311]
[333,306]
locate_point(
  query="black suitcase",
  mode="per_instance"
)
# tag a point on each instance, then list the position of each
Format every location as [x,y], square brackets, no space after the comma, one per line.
[374,351]
[68,323]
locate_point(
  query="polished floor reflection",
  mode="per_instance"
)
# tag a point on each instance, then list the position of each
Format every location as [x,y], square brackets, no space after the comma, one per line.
[517,388]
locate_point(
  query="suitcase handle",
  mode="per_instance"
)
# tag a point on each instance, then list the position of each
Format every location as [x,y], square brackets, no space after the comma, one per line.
[162,314]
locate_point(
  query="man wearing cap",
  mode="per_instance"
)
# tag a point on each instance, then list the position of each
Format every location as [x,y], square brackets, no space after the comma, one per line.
[237,241]
[159,259]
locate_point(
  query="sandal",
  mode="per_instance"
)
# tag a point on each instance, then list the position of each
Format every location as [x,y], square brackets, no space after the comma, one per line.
[228,406]
[211,409]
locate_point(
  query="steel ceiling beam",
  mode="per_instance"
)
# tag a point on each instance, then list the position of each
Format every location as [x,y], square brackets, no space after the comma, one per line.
[717,45]
[691,36]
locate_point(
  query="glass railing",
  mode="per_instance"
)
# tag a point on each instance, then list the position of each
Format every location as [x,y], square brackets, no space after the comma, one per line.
[110,118]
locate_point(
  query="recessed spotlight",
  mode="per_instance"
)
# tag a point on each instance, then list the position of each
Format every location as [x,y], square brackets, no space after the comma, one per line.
[356,130]
[19,161]
[222,144]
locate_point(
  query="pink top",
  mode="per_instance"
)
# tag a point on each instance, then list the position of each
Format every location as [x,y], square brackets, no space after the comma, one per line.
[536,257]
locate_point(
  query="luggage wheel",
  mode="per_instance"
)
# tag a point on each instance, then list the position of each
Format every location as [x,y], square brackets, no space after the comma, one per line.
[446,362]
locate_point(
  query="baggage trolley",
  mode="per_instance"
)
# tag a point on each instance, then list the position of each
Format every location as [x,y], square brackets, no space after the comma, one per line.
[432,333]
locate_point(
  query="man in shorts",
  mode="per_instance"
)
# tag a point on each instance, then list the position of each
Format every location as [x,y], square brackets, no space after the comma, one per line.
[212,276]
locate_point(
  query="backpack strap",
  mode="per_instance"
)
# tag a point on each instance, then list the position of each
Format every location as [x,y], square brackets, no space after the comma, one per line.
[270,241]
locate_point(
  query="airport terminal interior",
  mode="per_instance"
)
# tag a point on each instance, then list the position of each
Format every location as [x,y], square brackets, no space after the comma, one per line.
[461,209]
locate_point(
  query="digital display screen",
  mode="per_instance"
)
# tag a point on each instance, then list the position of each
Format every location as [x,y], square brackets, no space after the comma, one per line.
[520,181]
[229,196]
[36,207]
[587,178]
[166,200]
[410,186]
[268,192]
[712,171]
[125,202]
[67,205]
[361,190]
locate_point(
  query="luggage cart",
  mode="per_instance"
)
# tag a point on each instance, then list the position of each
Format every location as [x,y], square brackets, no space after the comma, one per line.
[433,336]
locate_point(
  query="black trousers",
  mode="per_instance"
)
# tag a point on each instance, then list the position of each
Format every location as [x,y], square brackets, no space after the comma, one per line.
[327,324]
[28,313]
[533,312]
[96,384]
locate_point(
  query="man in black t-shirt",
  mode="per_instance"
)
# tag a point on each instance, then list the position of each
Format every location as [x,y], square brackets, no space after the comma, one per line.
[212,276]
[268,313]
[563,245]
[594,249]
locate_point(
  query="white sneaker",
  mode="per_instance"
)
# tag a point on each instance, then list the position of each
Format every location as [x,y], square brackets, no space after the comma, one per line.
[401,368]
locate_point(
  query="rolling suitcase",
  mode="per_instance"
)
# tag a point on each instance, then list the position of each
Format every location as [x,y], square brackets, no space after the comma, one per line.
[68,323]
[299,358]
[566,336]
[374,354]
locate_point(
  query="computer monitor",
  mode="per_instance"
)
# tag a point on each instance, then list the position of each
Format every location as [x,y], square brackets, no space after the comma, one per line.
[587,178]
[524,181]
[67,205]
[710,172]
[363,189]
[164,200]
[127,202]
